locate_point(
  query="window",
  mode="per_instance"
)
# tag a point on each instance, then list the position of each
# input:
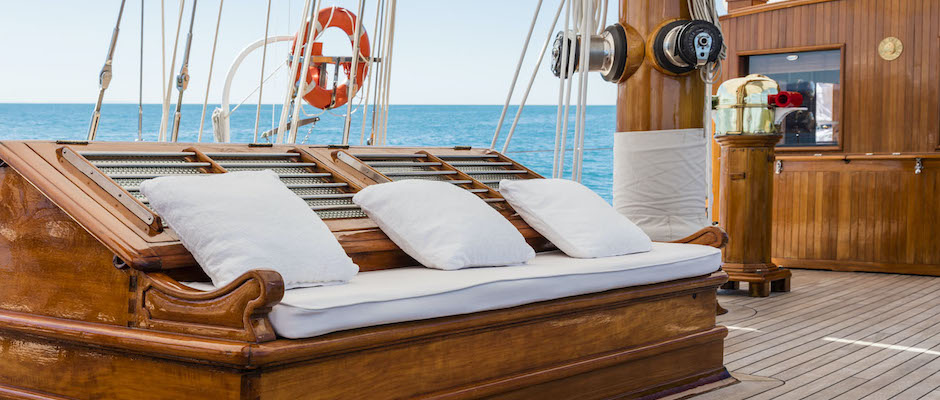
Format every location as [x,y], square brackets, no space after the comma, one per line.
[815,74]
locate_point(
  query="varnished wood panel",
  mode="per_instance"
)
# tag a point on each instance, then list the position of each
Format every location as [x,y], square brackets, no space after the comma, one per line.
[864,215]
[639,340]
[888,106]
[650,99]
[50,265]
[873,215]
[64,370]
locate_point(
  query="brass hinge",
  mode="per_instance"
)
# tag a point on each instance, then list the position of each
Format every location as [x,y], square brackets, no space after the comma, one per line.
[918,165]
[778,168]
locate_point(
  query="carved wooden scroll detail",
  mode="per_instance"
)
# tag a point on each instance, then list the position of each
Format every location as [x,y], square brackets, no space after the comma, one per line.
[709,236]
[237,311]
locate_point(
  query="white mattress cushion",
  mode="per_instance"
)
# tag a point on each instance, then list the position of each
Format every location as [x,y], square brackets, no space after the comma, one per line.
[414,293]
[239,221]
[443,226]
[574,218]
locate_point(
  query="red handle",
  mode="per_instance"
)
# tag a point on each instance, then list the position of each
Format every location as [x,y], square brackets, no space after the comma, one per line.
[785,99]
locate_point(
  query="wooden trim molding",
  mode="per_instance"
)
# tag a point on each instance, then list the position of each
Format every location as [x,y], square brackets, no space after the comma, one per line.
[237,311]
[797,49]
[863,266]
[770,7]
[807,149]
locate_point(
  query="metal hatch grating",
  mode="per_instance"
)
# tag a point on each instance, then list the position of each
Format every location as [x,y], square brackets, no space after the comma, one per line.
[328,197]
[489,169]
[421,165]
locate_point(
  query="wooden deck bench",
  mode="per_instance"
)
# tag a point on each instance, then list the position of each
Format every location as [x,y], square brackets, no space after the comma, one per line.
[92,303]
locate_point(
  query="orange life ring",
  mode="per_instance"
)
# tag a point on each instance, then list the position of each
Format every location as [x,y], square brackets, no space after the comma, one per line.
[320,96]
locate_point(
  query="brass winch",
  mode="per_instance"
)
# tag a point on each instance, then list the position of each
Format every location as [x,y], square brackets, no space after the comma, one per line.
[752,105]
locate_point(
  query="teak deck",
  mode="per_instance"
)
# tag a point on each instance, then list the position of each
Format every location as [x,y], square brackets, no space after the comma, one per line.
[91,305]
[837,335]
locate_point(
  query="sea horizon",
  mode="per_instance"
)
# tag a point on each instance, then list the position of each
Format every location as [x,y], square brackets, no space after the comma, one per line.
[409,125]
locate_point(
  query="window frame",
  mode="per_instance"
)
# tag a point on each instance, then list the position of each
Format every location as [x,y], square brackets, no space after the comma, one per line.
[744,66]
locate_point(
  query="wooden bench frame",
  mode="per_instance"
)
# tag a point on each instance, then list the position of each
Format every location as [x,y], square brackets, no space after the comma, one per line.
[76,322]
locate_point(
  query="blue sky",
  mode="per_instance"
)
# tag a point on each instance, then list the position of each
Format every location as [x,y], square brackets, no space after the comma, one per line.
[446,52]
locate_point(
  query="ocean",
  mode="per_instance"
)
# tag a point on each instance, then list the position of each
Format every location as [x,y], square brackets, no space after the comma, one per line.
[409,125]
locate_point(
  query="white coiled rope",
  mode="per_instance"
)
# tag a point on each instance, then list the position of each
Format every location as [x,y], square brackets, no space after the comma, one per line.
[705,10]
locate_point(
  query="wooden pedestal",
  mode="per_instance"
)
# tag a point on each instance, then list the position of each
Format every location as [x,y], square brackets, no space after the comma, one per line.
[746,201]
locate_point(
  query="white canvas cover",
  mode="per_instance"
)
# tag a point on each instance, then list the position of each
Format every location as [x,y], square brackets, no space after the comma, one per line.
[659,181]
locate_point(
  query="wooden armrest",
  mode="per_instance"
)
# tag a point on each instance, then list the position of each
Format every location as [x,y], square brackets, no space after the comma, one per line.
[709,236]
[238,311]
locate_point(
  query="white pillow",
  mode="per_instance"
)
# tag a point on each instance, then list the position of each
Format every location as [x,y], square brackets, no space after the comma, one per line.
[443,226]
[240,221]
[574,218]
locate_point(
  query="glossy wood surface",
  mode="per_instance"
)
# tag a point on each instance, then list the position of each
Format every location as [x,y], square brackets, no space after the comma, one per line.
[888,106]
[145,249]
[51,265]
[746,201]
[650,99]
[77,322]
[621,335]
[872,213]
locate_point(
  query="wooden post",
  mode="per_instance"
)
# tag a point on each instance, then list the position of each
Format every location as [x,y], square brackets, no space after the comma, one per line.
[746,207]
[653,99]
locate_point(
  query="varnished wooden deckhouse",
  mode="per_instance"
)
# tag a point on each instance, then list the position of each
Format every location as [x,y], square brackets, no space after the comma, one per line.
[857,177]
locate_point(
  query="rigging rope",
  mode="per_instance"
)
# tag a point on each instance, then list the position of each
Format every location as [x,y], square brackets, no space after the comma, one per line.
[357,32]
[564,66]
[386,78]
[264,57]
[169,85]
[182,80]
[590,18]
[312,34]
[515,76]
[271,75]
[140,88]
[162,48]
[379,12]
[104,77]
[538,64]
[285,110]
[215,41]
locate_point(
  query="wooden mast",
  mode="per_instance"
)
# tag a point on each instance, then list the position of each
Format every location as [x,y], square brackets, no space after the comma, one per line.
[654,99]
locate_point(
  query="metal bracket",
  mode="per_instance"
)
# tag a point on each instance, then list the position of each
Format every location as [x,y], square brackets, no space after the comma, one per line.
[109,186]
[918,166]
[366,170]
[778,168]
[703,47]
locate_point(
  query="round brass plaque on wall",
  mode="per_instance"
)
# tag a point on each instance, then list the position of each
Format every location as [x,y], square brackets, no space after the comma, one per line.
[890,48]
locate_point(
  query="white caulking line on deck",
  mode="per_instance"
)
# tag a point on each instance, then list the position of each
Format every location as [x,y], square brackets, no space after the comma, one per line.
[884,346]
[738,328]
